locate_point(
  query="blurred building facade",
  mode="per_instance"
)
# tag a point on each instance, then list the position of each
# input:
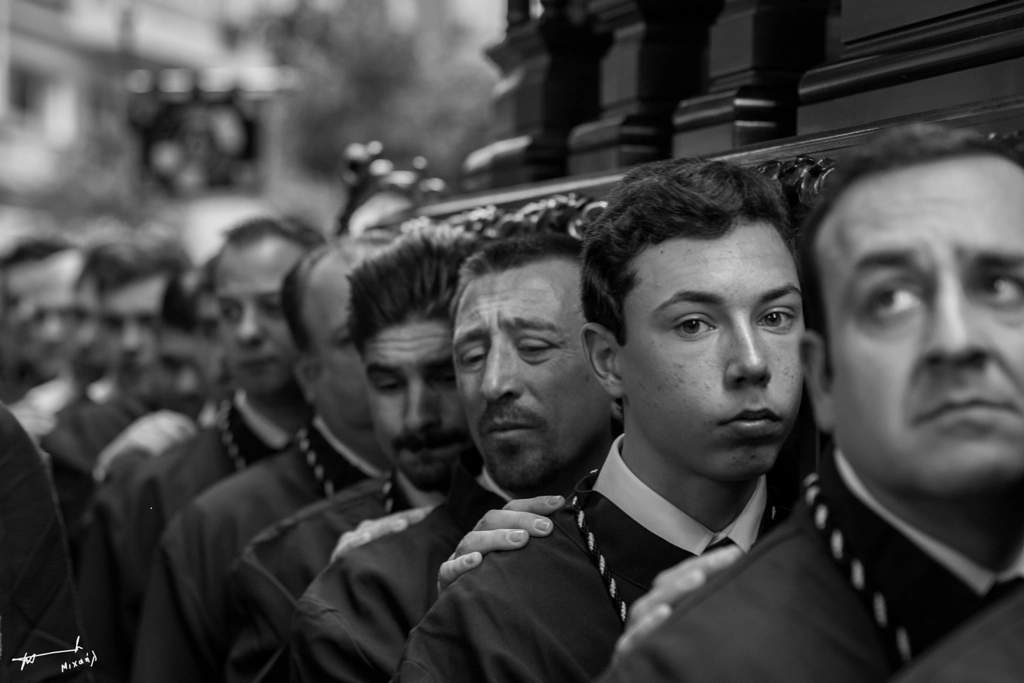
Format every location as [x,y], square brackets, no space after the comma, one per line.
[63,65]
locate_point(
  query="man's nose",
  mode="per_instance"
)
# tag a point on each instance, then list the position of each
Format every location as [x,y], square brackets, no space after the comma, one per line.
[501,375]
[131,337]
[188,382]
[52,329]
[954,333]
[249,330]
[422,408]
[747,362]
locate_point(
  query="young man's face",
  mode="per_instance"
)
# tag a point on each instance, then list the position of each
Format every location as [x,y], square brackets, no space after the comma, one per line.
[922,274]
[258,346]
[534,408]
[331,371]
[415,406]
[179,377]
[45,292]
[130,317]
[90,356]
[710,371]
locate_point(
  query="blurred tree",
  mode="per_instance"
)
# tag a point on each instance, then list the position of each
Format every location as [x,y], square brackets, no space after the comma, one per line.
[365,79]
[98,181]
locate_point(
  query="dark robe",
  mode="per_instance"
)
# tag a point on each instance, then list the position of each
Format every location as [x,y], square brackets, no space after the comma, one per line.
[987,649]
[787,612]
[543,612]
[132,508]
[182,632]
[83,429]
[353,621]
[279,564]
[38,609]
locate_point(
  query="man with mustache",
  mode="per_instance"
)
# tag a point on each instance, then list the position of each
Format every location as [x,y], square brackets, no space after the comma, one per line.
[281,561]
[185,619]
[533,413]
[693,313]
[914,360]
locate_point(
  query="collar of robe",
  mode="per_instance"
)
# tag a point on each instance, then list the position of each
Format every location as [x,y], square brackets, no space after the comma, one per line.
[331,470]
[241,445]
[467,500]
[649,554]
[912,600]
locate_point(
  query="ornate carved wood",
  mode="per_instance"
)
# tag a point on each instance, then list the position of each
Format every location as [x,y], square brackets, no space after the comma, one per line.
[1004,118]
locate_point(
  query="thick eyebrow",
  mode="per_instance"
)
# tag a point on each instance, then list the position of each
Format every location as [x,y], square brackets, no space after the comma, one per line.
[712,299]
[885,259]
[997,260]
[439,363]
[380,367]
[519,323]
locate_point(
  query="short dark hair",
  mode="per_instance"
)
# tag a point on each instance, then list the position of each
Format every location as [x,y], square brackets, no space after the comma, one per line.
[296,282]
[413,279]
[113,265]
[516,252]
[892,150]
[293,293]
[254,230]
[688,197]
[180,307]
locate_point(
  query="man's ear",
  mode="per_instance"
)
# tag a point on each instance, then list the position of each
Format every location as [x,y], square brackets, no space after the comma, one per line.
[307,372]
[818,379]
[602,352]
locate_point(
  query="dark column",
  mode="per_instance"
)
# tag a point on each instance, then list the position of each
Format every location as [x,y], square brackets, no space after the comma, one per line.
[759,49]
[550,66]
[656,59]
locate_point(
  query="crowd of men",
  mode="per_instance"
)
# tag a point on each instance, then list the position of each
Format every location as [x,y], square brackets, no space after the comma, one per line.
[430,455]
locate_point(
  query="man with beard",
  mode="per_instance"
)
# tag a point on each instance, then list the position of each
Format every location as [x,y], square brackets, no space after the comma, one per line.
[184,618]
[914,359]
[694,313]
[246,275]
[279,563]
[539,421]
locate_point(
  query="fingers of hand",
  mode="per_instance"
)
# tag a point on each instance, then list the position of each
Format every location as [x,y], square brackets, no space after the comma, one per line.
[640,629]
[456,567]
[541,505]
[489,541]
[349,541]
[535,525]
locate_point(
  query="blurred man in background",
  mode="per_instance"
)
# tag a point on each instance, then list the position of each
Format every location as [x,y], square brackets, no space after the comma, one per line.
[39,283]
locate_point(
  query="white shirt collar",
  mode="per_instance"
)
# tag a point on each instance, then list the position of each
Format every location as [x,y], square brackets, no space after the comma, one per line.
[487,482]
[344,451]
[617,483]
[978,578]
[265,429]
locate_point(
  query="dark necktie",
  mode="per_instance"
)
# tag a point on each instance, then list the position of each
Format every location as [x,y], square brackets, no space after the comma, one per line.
[1002,589]
[720,543]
